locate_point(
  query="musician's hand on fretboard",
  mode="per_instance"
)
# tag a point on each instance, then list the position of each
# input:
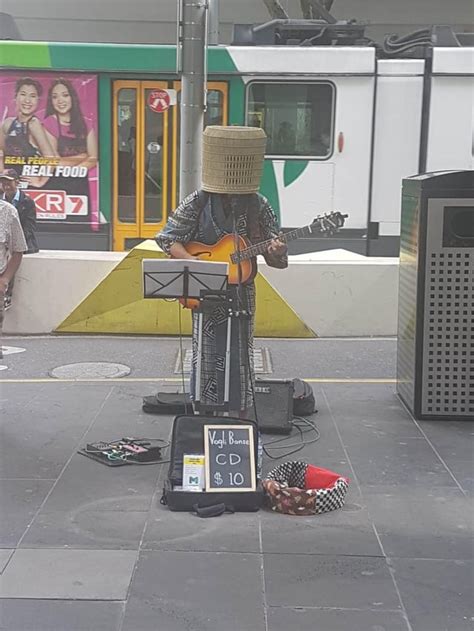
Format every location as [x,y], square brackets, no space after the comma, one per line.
[277,248]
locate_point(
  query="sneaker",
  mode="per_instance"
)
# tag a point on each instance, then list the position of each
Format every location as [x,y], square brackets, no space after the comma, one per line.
[7,302]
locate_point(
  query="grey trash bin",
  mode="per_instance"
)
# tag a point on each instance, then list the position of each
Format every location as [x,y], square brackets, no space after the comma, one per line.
[435,349]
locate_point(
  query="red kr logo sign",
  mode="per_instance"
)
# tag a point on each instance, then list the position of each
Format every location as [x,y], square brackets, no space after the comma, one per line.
[57,204]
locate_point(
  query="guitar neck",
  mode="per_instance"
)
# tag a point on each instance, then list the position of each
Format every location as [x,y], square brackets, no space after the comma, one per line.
[260,248]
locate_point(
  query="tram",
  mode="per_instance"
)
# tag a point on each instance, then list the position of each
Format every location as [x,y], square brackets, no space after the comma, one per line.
[345,123]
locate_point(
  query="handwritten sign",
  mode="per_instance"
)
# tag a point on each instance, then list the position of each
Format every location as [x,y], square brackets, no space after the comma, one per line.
[230,458]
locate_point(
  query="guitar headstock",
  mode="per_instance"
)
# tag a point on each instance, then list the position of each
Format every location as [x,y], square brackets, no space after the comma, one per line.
[329,223]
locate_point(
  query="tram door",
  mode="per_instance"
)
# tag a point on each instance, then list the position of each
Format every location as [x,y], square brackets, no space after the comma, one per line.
[146,155]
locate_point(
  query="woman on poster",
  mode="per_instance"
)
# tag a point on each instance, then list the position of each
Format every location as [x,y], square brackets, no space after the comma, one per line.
[23,136]
[72,137]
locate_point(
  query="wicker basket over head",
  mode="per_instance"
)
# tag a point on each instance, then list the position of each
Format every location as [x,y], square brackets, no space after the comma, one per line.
[232,160]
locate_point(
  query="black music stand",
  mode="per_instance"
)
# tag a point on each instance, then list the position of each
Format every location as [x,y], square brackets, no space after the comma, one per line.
[205,281]
[184,278]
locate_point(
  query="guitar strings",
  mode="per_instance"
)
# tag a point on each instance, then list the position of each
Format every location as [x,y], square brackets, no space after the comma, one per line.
[328,224]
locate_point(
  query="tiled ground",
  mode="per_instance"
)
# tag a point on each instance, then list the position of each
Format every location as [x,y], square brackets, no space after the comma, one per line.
[84,547]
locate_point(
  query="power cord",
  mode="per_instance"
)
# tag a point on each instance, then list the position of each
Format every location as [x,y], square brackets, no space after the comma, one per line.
[181,351]
[304,426]
[394,45]
[147,463]
[181,355]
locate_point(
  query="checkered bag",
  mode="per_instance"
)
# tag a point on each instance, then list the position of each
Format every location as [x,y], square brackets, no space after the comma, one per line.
[298,488]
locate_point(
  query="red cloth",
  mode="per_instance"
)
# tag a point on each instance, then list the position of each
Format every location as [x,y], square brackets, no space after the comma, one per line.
[318,478]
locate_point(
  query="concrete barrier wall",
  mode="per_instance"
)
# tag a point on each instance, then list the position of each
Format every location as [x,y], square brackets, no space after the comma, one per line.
[341,294]
[335,293]
[50,284]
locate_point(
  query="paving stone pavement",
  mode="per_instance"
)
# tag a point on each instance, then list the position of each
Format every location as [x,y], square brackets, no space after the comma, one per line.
[84,547]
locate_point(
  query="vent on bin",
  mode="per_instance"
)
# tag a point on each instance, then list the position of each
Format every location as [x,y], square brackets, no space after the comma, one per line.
[448,334]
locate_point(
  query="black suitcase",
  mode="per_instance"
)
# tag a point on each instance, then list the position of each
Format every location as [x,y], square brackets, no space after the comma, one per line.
[188,438]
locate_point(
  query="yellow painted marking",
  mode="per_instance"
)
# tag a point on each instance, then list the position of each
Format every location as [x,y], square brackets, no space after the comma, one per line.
[176,380]
[116,305]
[324,380]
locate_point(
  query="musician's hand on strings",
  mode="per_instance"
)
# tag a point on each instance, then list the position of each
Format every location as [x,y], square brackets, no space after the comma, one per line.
[178,251]
[277,247]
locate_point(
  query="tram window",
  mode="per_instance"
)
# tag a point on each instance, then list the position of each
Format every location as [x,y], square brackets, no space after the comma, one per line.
[215,111]
[127,142]
[297,117]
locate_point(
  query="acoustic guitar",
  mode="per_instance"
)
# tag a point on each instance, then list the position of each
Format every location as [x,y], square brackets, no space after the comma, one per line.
[240,254]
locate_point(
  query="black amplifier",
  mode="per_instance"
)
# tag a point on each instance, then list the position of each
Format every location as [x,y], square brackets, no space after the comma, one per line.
[274,403]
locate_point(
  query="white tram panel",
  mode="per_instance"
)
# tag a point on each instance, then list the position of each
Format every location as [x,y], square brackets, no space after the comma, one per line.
[397,130]
[451,116]
[298,60]
[353,122]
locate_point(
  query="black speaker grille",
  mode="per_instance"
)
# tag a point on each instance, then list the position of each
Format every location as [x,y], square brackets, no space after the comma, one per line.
[274,403]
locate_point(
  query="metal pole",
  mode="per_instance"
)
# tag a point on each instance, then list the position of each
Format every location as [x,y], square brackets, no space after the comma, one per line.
[192,93]
[213,22]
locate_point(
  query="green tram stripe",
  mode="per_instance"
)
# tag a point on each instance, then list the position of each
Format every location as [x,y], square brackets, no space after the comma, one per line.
[219,60]
[104,57]
[113,57]
[236,101]
[25,55]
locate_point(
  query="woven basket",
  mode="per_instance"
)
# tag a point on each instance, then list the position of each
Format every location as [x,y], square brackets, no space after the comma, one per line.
[232,160]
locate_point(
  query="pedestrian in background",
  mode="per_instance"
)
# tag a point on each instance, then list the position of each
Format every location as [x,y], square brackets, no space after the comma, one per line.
[12,246]
[26,210]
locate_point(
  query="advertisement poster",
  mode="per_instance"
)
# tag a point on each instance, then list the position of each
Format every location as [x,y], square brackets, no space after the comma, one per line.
[48,134]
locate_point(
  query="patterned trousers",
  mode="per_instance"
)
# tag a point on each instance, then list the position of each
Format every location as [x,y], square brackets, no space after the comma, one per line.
[214,341]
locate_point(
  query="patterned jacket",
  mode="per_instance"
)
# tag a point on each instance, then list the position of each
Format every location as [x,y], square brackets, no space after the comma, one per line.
[201,217]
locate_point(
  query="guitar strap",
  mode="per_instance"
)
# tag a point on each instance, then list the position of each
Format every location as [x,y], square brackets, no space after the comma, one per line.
[202,199]
[253,223]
